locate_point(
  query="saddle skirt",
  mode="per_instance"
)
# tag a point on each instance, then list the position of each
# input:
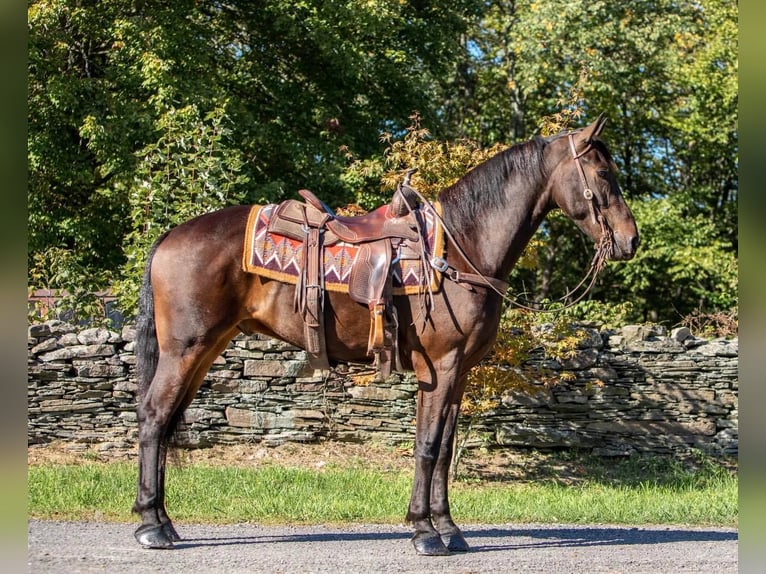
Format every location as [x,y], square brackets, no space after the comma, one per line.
[273,255]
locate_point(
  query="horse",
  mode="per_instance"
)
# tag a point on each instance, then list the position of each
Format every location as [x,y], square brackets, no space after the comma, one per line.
[195,297]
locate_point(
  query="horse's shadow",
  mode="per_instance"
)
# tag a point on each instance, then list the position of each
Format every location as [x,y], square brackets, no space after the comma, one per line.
[517,538]
[334,536]
[570,537]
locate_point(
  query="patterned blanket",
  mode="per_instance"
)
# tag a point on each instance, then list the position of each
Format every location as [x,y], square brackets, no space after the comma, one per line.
[278,257]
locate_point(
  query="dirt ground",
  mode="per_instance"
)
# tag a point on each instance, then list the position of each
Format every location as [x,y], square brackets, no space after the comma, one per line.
[475,464]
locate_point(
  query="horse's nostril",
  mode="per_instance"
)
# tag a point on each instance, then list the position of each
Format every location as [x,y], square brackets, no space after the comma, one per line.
[634,241]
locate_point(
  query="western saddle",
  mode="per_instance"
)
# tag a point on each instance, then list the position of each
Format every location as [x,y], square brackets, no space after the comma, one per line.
[379,236]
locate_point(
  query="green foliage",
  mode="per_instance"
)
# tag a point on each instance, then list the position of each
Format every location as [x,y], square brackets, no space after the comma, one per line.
[438,164]
[72,201]
[71,292]
[188,171]
[704,59]
[604,314]
[305,88]
[665,74]
[297,80]
[680,262]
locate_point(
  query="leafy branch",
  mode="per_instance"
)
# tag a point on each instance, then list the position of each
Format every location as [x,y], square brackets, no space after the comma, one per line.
[189,170]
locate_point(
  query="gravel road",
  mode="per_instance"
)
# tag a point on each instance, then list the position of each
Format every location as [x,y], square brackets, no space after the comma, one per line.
[72,547]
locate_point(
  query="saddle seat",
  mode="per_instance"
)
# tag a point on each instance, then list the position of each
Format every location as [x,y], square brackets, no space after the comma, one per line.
[383,223]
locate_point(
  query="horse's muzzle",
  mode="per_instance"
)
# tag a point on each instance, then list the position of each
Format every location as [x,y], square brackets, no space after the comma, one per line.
[624,247]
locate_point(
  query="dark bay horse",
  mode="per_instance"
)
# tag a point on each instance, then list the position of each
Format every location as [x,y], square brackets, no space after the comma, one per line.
[196,297]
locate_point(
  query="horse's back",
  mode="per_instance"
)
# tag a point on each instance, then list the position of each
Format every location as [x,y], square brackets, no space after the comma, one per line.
[223,224]
[204,236]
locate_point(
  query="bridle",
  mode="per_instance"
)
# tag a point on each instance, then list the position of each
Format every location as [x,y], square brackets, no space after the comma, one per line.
[606,241]
[586,190]
[468,280]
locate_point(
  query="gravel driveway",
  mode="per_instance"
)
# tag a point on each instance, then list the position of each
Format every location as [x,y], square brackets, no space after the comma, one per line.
[72,547]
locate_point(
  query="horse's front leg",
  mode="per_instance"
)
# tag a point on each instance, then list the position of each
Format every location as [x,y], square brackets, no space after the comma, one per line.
[436,385]
[450,534]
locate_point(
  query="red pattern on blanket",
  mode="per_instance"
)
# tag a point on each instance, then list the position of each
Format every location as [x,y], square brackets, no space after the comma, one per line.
[279,257]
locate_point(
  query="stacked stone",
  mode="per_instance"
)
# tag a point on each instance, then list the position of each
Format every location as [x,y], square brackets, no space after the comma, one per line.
[81,386]
[635,389]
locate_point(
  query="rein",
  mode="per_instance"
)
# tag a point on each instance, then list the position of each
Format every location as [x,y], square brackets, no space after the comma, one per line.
[477,278]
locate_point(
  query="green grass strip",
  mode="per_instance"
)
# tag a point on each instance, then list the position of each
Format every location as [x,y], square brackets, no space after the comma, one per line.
[289,495]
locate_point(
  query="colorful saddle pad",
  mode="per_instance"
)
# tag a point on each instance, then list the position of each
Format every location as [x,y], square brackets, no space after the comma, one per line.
[280,257]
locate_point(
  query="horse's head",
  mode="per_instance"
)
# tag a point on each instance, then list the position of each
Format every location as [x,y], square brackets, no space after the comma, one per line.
[583,185]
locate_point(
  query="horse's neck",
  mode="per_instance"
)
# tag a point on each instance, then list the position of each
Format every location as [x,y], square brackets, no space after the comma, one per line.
[495,244]
[516,234]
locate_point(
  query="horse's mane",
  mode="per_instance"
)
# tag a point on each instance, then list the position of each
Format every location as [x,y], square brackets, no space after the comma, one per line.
[482,190]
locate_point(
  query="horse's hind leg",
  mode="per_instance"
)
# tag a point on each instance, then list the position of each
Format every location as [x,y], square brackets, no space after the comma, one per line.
[157,411]
[178,376]
[167,525]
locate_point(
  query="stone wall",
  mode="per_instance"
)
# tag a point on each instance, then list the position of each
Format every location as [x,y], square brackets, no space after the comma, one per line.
[637,389]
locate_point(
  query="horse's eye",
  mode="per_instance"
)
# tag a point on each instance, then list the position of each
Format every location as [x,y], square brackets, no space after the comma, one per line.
[603,173]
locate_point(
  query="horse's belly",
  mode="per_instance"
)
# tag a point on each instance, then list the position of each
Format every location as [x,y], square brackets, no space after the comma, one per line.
[346,323]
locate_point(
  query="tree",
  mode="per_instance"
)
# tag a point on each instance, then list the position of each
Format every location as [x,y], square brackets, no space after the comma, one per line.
[290,81]
[300,88]
[189,171]
[73,203]
[681,262]
[664,72]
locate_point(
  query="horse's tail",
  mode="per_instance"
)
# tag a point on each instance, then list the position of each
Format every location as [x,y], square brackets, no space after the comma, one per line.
[147,348]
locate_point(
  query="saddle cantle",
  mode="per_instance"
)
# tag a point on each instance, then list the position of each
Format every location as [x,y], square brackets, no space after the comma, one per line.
[371,257]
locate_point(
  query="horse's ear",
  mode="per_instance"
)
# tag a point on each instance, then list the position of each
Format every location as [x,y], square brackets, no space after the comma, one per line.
[593,130]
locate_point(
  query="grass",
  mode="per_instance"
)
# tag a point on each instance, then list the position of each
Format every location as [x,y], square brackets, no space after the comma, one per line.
[634,491]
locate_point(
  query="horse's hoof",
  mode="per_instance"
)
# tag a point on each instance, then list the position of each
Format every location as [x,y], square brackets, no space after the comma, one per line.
[455,541]
[429,544]
[170,531]
[151,536]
